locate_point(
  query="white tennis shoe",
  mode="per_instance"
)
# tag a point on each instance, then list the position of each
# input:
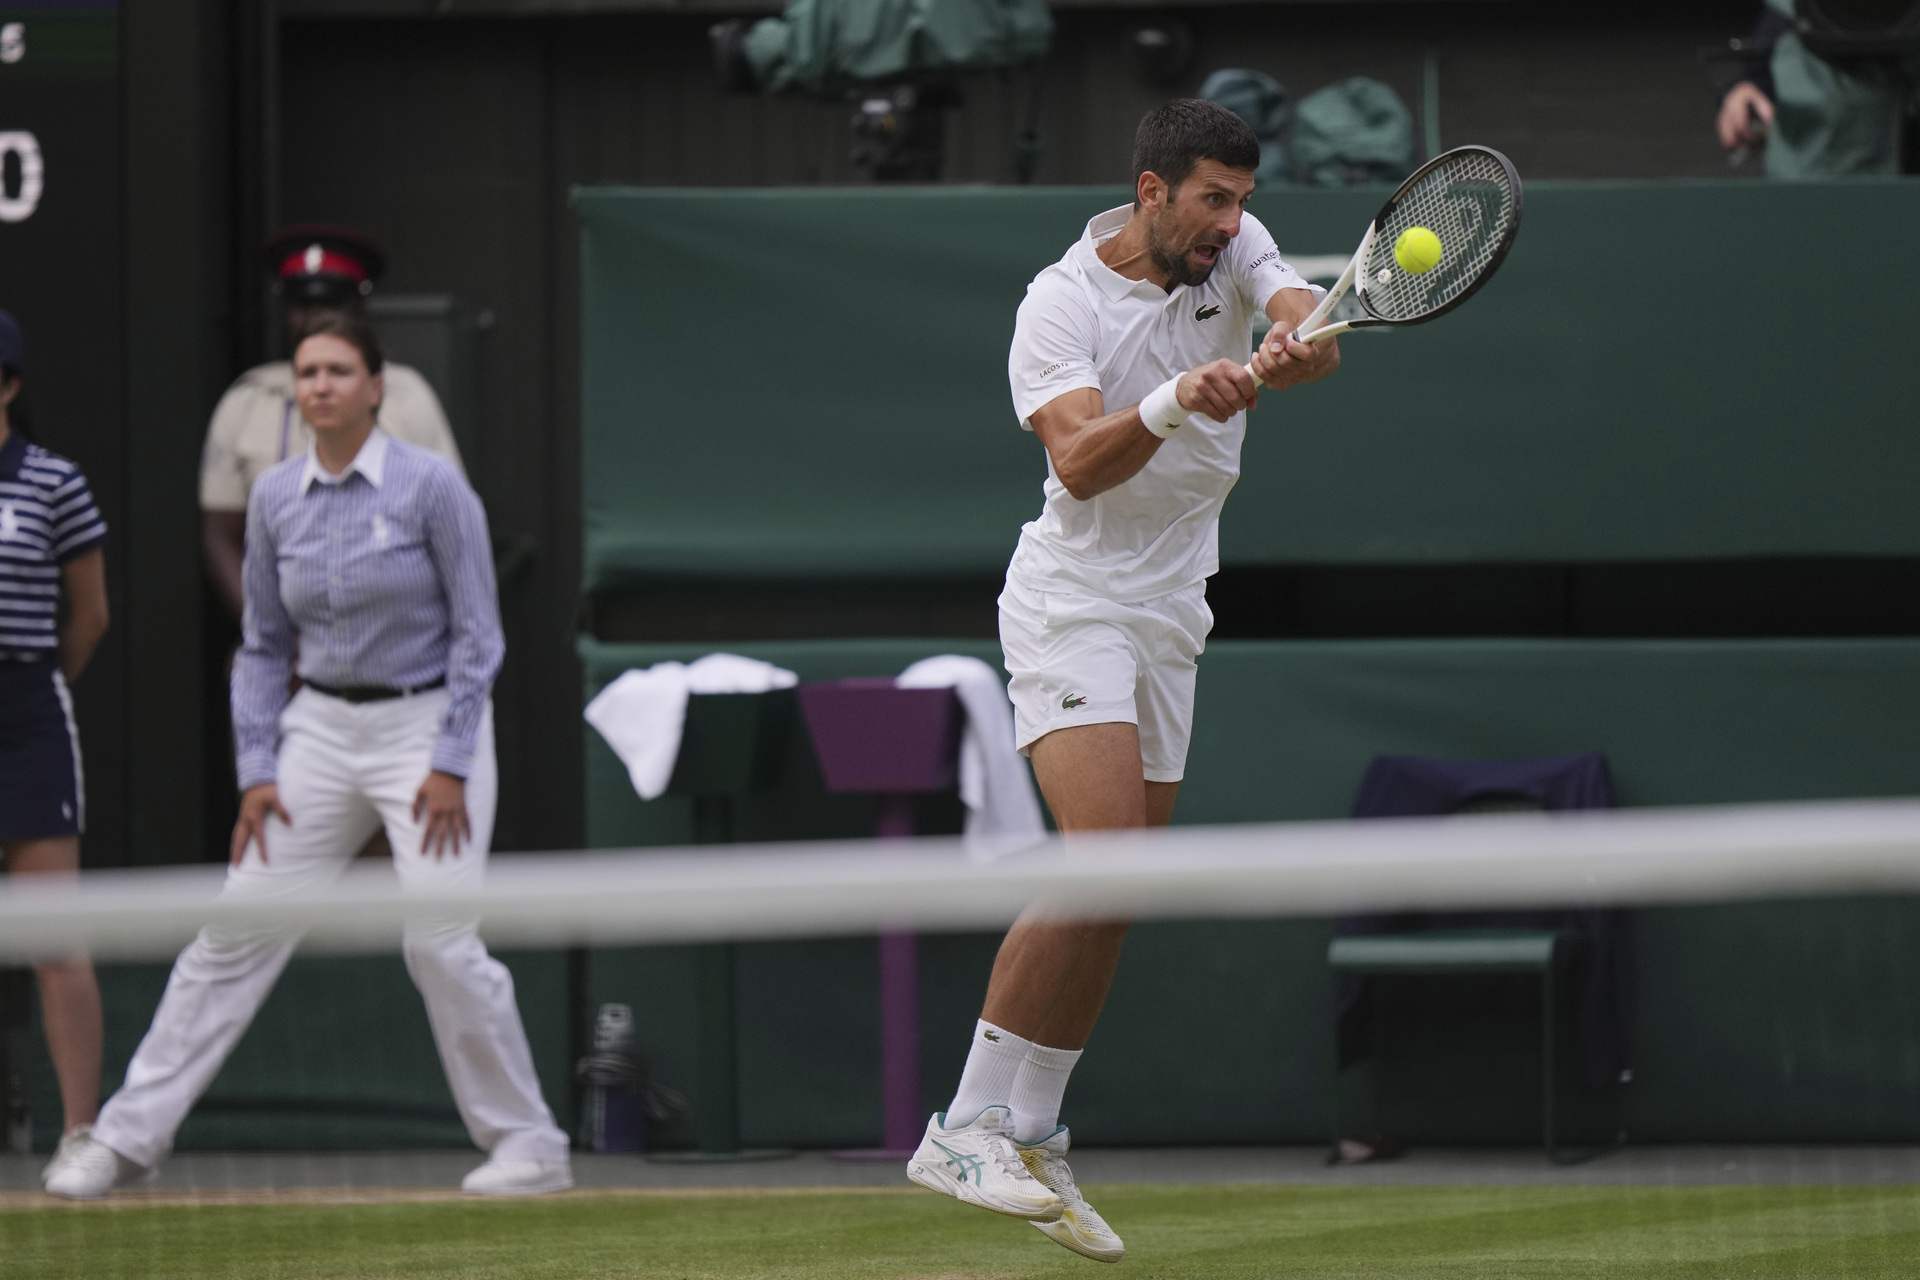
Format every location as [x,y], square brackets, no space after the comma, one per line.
[518,1178]
[977,1164]
[1079,1227]
[89,1169]
[70,1143]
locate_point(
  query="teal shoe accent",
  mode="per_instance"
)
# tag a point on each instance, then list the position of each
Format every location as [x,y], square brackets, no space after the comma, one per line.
[1057,1131]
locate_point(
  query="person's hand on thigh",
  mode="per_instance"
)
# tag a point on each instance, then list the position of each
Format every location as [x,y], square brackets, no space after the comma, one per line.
[442,801]
[255,805]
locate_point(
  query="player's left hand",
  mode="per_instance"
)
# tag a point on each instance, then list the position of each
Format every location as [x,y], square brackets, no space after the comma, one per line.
[443,799]
[1283,361]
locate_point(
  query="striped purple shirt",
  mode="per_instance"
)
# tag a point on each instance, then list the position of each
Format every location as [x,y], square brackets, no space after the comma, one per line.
[385,574]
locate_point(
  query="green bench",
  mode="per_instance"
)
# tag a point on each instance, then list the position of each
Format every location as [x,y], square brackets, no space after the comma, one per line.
[1461,952]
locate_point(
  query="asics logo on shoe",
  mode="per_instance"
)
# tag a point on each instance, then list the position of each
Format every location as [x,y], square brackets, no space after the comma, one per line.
[1072,701]
[1206,313]
[966,1164]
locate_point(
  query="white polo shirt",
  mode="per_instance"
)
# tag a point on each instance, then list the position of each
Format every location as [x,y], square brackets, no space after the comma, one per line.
[1085,325]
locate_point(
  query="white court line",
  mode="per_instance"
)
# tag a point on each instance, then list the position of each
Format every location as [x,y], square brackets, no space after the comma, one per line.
[826,888]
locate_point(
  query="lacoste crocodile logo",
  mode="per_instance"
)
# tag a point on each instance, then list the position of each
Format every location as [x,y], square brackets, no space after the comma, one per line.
[1073,700]
[992,1035]
[966,1164]
[1206,313]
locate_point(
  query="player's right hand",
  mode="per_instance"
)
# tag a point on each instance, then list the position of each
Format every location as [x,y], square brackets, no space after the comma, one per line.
[1219,390]
[255,804]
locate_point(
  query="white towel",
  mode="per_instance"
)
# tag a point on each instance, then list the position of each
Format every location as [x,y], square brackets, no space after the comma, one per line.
[643,713]
[1003,814]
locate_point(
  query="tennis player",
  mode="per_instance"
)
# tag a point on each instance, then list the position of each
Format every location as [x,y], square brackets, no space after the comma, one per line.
[1128,362]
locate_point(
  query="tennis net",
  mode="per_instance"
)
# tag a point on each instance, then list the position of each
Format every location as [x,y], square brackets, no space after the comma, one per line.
[1638,1042]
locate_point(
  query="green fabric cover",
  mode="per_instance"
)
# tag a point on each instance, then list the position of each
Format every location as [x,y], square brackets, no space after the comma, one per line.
[1795,1021]
[1832,119]
[1576,410]
[1355,131]
[1262,102]
[824,45]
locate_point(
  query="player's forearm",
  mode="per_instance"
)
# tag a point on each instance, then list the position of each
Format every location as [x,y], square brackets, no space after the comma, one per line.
[1105,453]
[1289,307]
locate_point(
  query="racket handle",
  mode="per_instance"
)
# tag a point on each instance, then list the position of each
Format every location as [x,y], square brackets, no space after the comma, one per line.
[1318,335]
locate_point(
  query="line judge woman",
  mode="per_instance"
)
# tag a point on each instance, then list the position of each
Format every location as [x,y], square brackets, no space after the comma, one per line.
[51,544]
[374,555]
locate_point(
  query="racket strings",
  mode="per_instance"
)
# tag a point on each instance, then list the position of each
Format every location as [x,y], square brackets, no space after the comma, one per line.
[1468,202]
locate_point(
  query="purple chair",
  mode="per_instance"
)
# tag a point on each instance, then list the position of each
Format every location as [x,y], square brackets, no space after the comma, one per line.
[872,736]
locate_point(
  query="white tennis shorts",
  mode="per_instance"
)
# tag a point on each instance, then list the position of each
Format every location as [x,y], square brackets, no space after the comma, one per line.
[1080,659]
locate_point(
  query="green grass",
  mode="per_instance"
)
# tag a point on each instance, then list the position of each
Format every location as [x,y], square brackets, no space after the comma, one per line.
[1173,1233]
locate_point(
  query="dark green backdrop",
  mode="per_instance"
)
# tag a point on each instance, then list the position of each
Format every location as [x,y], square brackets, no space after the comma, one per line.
[780,381]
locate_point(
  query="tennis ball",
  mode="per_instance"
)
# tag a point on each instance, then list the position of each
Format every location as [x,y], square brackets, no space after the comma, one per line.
[1417,250]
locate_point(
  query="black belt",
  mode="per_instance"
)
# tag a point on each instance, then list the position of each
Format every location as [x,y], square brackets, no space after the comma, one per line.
[372,692]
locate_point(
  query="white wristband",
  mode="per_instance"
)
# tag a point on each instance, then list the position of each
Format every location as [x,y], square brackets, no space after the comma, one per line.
[1161,412]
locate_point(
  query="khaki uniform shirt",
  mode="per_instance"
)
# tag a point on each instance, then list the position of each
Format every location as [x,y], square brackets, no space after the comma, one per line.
[257,424]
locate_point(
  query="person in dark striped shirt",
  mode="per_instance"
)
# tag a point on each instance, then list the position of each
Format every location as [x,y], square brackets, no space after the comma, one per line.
[373,555]
[51,543]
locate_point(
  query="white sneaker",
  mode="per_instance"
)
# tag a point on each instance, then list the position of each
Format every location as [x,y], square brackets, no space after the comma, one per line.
[518,1178]
[977,1164]
[70,1143]
[1079,1228]
[90,1169]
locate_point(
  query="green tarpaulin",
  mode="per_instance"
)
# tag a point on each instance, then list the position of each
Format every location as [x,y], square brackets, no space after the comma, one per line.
[826,46]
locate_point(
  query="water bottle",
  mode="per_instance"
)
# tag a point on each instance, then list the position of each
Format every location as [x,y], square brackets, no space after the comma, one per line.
[613,1075]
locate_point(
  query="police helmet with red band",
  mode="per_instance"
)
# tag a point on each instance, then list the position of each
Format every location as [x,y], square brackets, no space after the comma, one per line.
[320,262]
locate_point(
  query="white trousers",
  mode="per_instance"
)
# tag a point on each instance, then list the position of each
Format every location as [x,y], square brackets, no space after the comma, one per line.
[344,771]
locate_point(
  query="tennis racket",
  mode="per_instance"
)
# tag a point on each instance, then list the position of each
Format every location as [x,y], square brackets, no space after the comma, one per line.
[1469,198]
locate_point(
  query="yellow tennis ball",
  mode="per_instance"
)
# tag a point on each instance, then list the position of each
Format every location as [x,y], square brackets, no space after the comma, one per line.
[1417,250]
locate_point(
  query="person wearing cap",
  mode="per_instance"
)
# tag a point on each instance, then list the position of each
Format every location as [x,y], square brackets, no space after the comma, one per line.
[51,540]
[317,270]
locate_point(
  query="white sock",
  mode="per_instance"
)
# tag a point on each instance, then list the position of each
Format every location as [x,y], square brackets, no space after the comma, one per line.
[992,1064]
[1037,1090]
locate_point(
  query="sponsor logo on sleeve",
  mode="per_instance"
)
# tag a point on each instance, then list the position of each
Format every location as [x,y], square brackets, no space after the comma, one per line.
[1073,702]
[1053,368]
[1271,255]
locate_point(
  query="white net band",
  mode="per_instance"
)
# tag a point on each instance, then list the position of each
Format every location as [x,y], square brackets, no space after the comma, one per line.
[827,889]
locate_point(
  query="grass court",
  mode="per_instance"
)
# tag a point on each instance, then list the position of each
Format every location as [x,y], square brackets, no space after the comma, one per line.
[1172,1233]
